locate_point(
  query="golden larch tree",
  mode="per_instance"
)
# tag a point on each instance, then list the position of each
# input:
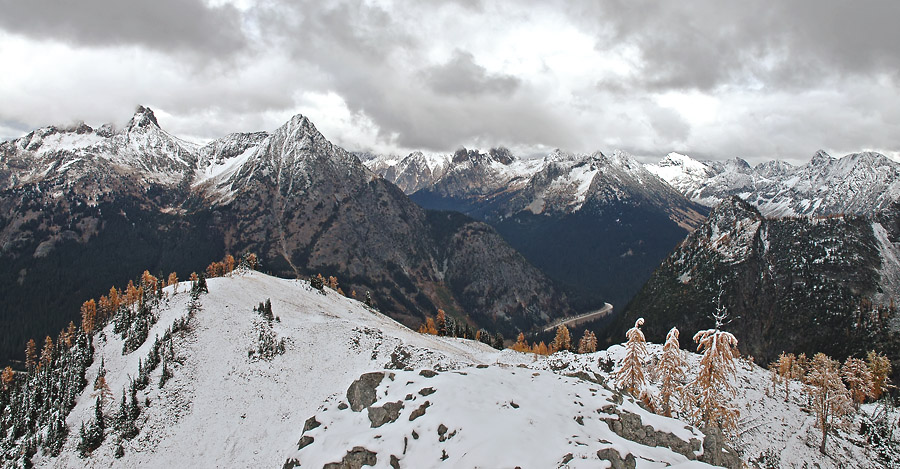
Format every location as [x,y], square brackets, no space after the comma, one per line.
[830,399]
[173,280]
[562,341]
[712,386]
[88,316]
[6,378]
[788,368]
[630,376]
[588,343]
[858,379]
[441,322]
[47,352]
[228,263]
[428,327]
[30,355]
[70,334]
[670,372]
[880,368]
[521,345]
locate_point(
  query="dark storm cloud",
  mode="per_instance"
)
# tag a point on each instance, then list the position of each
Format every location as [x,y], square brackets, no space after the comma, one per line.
[462,77]
[167,25]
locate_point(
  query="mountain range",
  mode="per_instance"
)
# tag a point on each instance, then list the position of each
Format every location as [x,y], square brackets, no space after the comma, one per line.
[598,224]
[82,209]
[858,183]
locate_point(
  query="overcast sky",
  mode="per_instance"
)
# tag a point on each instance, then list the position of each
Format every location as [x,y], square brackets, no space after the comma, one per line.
[711,79]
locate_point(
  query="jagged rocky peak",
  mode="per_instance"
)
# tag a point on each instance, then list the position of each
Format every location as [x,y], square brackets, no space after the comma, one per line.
[821,156]
[732,210]
[774,168]
[143,117]
[502,155]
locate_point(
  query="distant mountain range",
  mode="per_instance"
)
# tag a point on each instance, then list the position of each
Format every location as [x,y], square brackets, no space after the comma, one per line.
[598,224]
[82,209]
[858,183]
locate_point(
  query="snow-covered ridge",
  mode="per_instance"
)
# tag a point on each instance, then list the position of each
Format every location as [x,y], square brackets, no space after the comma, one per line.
[479,407]
[145,153]
[558,183]
[858,183]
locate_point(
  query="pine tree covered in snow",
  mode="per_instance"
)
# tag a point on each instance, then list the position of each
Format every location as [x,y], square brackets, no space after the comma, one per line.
[830,398]
[630,376]
[670,372]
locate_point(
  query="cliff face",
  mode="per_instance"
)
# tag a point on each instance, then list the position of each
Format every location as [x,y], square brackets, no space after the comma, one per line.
[789,284]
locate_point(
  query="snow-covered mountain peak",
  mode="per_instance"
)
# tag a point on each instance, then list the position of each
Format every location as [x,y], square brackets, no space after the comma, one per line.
[143,117]
[820,157]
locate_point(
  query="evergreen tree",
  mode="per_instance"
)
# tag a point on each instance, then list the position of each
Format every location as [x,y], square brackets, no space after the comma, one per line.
[317,282]
[671,372]
[712,384]
[630,376]
[369,301]
[498,341]
[830,398]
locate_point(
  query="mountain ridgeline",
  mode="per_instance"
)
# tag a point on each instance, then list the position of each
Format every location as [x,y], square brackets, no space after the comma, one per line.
[82,209]
[597,224]
[797,284]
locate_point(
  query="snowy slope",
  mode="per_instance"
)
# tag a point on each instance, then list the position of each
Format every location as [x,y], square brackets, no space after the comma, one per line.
[858,183]
[485,408]
[223,409]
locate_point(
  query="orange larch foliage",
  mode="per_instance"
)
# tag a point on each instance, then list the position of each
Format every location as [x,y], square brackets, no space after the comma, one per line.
[6,378]
[88,316]
[173,280]
[521,345]
[228,263]
[428,327]
[30,355]
[47,352]
[712,384]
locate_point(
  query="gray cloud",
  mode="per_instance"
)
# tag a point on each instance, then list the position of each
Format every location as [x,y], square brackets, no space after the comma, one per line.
[779,44]
[787,77]
[170,25]
[462,77]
